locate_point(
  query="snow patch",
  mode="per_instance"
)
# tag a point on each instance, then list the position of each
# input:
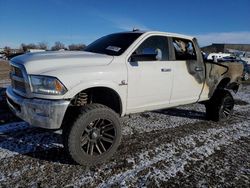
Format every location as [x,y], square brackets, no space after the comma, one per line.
[175,164]
[29,142]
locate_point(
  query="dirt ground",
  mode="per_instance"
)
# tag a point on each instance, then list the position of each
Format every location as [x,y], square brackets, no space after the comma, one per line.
[168,148]
[4,73]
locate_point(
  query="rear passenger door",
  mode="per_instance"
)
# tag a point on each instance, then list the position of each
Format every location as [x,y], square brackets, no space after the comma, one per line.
[189,72]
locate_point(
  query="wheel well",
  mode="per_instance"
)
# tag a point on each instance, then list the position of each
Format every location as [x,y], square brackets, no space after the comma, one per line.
[223,83]
[100,95]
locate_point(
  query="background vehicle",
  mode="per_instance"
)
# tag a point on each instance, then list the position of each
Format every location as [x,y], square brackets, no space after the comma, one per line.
[84,93]
[246,66]
[217,55]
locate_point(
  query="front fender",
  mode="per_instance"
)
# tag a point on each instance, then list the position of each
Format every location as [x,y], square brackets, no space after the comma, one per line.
[121,90]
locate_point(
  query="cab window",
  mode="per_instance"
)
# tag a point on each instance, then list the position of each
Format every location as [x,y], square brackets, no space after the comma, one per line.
[154,44]
[184,49]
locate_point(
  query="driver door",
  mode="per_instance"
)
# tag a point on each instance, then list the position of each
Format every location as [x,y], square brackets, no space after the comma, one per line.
[150,81]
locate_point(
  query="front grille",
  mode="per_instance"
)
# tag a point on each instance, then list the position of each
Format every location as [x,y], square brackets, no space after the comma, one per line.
[20,86]
[17,72]
[17,79]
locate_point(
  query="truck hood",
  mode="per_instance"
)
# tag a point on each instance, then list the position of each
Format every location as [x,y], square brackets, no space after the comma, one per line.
[42,62]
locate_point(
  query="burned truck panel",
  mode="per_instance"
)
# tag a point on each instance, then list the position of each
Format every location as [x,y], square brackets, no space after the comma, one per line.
[192,68]
[222,75]
[210,74]
[182,49]
[187,50]
[215,75]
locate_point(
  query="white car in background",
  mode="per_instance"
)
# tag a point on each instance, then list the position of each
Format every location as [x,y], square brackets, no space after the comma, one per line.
[217,55]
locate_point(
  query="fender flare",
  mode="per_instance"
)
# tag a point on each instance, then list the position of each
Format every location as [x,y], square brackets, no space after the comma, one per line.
[121,91]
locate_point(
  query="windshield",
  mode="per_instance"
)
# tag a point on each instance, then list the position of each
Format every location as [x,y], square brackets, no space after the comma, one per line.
[114,44]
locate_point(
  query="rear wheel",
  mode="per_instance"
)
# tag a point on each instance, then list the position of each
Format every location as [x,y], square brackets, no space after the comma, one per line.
[94,136]
[220,106]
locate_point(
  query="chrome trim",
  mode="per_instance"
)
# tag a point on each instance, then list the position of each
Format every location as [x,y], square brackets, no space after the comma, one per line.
[25,79]
[166,70]
[12,76]
[43,113]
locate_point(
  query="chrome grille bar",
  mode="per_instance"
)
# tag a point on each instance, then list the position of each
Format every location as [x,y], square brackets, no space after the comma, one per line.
[18,80]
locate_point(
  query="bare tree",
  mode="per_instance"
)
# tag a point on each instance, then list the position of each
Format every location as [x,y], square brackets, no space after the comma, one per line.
[77,47]
[43,45]
[23,47]
[26,47]
[58,46]
[7,50]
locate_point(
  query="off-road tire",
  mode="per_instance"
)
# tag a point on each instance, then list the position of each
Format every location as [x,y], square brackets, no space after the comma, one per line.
[220,106]
[80,132]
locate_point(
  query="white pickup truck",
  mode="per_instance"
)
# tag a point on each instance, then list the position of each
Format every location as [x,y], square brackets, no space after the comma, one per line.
[85,93]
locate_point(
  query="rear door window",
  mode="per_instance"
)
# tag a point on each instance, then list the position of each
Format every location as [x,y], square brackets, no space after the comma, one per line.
[184,49]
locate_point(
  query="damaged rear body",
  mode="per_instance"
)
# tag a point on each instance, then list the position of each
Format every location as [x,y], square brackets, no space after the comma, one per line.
[222,76]
[198,74]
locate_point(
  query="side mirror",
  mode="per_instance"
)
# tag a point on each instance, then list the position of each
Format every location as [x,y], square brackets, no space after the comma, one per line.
[147,55]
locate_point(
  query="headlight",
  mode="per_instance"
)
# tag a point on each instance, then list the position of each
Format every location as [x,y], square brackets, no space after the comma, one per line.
[47,85]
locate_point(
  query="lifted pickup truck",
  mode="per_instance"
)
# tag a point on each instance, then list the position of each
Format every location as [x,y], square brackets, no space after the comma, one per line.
[85,93]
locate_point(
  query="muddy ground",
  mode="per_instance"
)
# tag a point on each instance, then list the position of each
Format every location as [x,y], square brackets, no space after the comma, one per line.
[169,148]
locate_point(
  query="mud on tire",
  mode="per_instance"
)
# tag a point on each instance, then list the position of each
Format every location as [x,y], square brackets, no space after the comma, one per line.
[220,106]
[94,136]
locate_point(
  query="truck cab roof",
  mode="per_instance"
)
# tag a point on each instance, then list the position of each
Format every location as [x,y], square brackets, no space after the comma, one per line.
[161,33]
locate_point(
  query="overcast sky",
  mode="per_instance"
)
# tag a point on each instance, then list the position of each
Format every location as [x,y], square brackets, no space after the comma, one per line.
[80,21]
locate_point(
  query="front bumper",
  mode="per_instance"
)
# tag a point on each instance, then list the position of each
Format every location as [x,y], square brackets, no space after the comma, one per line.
[38,112]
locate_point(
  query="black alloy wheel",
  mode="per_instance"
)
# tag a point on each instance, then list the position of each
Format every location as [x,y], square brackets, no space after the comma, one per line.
[94,136]
[98,137]
[220,106]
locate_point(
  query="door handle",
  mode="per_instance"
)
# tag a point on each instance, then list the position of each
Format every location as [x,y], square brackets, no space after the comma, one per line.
[198,69]
[165,70]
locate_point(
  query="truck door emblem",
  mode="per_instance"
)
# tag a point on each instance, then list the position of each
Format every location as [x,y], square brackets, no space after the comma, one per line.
[123,82]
